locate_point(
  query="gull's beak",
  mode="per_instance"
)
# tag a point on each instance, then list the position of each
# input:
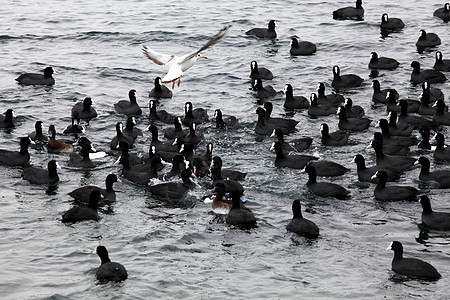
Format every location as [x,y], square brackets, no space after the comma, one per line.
[203,57]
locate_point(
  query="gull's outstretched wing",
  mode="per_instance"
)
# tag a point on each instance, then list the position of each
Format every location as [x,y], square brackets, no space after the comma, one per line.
[214,40]
[157,58]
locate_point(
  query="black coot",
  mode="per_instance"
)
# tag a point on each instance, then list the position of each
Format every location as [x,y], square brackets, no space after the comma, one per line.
[433,219]
[84,213]
[268,32]
[129,108]
[108,270]
[394,192]
[42,176]
[37,79]
[300,225]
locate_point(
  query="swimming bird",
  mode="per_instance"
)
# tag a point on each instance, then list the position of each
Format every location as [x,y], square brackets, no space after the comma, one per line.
[75,127]
[324,189]
[425,107]
[130,131]
[160,145]
[345,81]
[302,48]
[300,225]
[380,95]
[433,219]
[82,160]
[327,168]
[443,12]
[37,79]
[441,64]
[193,137]
[85,109]
[394,163]
[108,270]
[424,133]
[411,267]
[398,128]
[332,99]
[393,192]
[435,93]
[350,13]
[337,138]
[37,135]
[120,137]
[84,213]
[268,32]
[179,64]
[416,121]
[58,145]
[219,172]
[427,39]
[42,176]
[160,115]
[198,115]
[413,105]
[293,161]
[429,75]
[82,194]
[6,121]
[299,144]
[385,63]
[442,152]
[129,108]
[352,124]
[160,91]
[17,158]
[265,125]
[239,216]
[365,174]
[442,177]
[174,191]
[353,111]
[294,102]
[225,122]
[263,92]
[259,72]
[391,24]
[317,110]
[441,116]
[176,131]
[389,138]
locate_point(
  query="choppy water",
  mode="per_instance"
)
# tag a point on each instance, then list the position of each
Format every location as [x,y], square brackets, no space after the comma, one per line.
[95,46]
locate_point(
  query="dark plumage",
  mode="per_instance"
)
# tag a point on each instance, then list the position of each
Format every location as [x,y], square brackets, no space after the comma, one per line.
[442,177]
[130,131]
[160,91]
[365,174]
[82,160]
[140,174]
[6,121]
[84,213]
[263,92]
[390,148]
[160,115]
[435,93]
[350,13]
[225,122]
[389,138]
[302,48]
[37,79]
[300,225]
[441,64]
[391,24]
[238,216]
[108,270]
[160,145]
[16,158]
[430,75]
[197,116]
[58,145]
[75,127]
[85,109]
[332,99]
[173,191]
[433,219]
[83,193]
[380,95]
[268,32]
[317,110]
[401,128]
[193,137]
[328,168]
[393,163]
[411,267]
[129,108]
[441,116]
[385,63]
[120,137]
[337,138]
[353,111]
[345,81]
[425,107]
[266,125]
[443,12]
[299,144]
[37,135]
[394,192]
[416,121]
[233,175]
[392,105]
[176,131]
[294,102]
[427,39]
[352,124]
[442,152]
[324,189]
[259,72]
[293,161]
[42,176]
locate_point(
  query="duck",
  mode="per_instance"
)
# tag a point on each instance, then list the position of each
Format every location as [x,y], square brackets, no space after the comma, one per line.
[433,219]
[198,115]
[108,270]
[268,32]
[130,131]
[58,145]
[299,144]
[84,213]
[394,163]
[174,191]
[416,121]
[389,138]
[217,177]
[82,160]
[37,175]
[365,174]
[350,13]
[391,24]
[324,189]
[120,137]
[259,72]
[326,168]
[129,108]
[384,63]
[37,79]
[318,110]
[337,138]
[300,225]
[75,127]
[7,121]
[442,177]
[16,158]
[294,102]
[220,203]
[332,99]
[37,135]
[302,48]
[160,145]
[85,109]
[441,64]
[265,125]
[427,39]
[353,111]
[234,175]
[160,91]
[442,152]
[413,105]
[293,161]
[411,267]
[238,216]
[225,122]
[176,131]
[394,192]
[390,148]
[441,116]
[263,92]
[379,95]
[282,122]
[400,128]
[352,124]
[139,174]
[430,75]
[345,81]
[424,133]
[443,12]
[160,115]
[83,193]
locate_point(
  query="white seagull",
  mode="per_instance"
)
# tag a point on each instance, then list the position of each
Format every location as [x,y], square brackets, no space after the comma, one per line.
[178,64]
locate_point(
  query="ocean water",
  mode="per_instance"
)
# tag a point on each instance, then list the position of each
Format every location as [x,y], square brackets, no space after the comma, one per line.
[189,252]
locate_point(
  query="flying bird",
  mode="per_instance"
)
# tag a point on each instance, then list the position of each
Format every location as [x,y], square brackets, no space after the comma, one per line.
[179,64]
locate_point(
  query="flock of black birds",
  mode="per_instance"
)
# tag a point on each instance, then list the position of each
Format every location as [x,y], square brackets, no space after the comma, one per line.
[391,145]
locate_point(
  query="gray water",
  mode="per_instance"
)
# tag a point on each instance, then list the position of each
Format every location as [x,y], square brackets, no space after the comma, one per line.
[95,46]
